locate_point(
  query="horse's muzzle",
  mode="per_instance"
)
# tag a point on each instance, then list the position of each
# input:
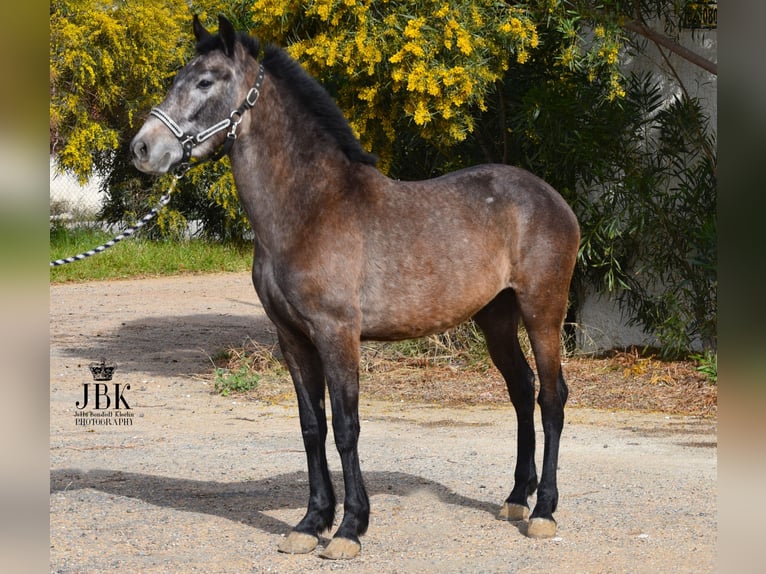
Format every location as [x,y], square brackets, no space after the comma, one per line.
[154,155]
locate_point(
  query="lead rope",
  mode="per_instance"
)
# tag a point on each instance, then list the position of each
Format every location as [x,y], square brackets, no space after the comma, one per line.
[127,233]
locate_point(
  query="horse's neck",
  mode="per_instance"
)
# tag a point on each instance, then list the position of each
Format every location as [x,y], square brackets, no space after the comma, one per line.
[280,185]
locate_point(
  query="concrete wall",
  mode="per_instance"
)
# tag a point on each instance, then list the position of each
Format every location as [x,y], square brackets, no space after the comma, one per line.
[601,325]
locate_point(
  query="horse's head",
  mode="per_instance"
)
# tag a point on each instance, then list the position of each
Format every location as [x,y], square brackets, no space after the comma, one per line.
[208,96]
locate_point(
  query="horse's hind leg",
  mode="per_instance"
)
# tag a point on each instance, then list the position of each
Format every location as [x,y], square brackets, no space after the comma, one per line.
[543,315]
[499,321]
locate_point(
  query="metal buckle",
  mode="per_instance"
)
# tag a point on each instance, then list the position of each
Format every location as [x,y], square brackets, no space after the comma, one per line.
[252,97]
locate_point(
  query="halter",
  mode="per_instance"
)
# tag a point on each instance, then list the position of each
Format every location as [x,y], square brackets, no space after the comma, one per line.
[190,141]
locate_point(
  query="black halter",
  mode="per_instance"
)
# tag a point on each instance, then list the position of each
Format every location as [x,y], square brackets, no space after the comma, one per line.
[190,141]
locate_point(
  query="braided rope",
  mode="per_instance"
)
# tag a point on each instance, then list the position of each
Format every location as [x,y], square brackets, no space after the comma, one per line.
[125,234]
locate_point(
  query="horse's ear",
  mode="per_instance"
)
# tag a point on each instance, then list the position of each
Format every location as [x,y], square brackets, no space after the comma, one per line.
[199,30]
[228,35]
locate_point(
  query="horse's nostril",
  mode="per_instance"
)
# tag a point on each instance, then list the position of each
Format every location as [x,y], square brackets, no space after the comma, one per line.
[139,149]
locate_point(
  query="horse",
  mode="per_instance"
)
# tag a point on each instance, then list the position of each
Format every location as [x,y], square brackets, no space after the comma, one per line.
[343,253]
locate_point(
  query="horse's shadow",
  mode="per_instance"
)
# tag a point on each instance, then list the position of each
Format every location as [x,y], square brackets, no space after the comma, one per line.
[172,345]
[246,502]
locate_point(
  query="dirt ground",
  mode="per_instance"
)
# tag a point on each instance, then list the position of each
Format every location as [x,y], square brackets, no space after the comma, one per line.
[194,482]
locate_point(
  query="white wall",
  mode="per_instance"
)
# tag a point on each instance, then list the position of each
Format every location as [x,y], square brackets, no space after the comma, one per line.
[601,325]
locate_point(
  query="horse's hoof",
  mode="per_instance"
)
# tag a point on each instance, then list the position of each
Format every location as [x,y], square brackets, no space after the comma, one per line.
[541,528]
[341,549]
[298,543]
[513,512]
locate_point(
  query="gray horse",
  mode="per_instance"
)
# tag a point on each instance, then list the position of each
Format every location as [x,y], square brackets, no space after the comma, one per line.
[344,253]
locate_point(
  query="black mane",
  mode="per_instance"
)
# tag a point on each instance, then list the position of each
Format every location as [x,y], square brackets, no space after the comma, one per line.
[309,93]
[313,97]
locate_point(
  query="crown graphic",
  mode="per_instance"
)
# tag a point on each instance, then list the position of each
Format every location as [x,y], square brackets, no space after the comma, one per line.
[102,371]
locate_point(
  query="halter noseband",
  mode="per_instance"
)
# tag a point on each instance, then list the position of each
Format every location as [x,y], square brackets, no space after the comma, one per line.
[190,141]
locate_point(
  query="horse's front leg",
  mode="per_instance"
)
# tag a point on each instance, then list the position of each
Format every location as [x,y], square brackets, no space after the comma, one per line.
[341,366]
[305,368]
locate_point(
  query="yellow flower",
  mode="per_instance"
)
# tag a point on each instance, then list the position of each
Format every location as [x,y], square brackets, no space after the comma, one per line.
[414,48]
[476,16]
[412,29]
[615,87]
[458,133]
[568,56]
[432,86]
[468,85]
[611,56]
[421,115]
[416,77]
[534,40]
[323,12]
[368,94]
[464,42]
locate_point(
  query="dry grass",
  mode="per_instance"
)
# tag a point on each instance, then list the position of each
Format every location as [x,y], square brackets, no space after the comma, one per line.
[630,380]
[444,371]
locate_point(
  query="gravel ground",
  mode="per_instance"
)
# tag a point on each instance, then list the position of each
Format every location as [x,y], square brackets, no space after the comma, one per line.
[197,482]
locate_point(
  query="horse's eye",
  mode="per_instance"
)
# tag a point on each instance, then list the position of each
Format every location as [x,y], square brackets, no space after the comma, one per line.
[204,84]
